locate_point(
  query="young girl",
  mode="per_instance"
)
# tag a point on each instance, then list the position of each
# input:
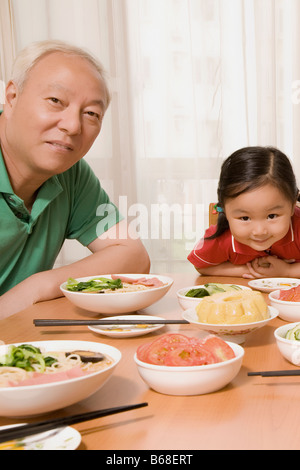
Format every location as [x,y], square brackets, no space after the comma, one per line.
[258,229]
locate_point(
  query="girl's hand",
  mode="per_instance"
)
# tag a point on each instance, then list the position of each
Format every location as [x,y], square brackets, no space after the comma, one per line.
[268,266]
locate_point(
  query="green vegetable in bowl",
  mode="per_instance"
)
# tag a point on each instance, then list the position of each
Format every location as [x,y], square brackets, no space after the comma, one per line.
[210,289]
[216,288]
[25,357]
[294,333]
[197,293]
[97,284]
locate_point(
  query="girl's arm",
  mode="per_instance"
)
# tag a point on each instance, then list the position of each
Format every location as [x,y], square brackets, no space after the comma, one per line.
[226,269]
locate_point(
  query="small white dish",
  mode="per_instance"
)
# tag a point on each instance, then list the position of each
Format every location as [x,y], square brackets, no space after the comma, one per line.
[127,331]
[235,333]
[273,283]
[66,438]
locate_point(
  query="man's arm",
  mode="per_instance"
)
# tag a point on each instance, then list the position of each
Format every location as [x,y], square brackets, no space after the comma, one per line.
[114,252]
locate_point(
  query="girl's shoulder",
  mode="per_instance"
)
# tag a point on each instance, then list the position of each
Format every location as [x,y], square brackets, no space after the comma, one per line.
[296,224]
[224,236]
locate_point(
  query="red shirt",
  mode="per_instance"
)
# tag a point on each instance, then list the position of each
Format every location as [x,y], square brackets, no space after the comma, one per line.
[225,248]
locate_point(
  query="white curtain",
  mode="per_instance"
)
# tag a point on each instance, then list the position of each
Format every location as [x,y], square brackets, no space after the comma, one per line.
[192,80]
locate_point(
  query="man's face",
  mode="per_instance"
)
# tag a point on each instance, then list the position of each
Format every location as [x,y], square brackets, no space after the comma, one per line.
[54,120]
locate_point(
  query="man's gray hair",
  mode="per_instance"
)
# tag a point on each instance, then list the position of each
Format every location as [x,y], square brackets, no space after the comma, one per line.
[31,54]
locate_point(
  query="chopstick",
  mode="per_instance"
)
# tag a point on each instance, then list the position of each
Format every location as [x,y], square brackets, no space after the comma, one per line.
[61,322]
[276,373]
[24,430]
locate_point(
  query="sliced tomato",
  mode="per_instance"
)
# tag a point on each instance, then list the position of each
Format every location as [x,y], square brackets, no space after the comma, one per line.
[291,295]
[219,348]
[171,338]
[141,351]
[156,351]
[189,355]
[175,349]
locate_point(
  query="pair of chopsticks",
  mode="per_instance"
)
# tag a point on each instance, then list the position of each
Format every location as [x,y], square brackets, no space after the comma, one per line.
[24,430]
[61,322]
[276,373]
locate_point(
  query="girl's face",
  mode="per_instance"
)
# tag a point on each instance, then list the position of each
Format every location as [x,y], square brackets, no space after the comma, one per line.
[260,217]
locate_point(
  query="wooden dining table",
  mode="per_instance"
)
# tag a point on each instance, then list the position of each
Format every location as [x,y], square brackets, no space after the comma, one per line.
[252,412]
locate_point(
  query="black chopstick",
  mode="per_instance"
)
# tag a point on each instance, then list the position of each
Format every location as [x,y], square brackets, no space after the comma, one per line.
[61,322]
[276,373]
[18,432]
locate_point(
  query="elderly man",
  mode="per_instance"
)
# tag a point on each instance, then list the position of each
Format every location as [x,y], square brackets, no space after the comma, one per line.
[55,104]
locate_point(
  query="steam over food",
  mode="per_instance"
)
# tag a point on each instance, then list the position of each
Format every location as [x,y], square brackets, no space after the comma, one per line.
[230,308]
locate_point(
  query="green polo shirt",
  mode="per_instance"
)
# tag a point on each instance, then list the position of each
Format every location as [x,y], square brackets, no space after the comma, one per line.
[71,205]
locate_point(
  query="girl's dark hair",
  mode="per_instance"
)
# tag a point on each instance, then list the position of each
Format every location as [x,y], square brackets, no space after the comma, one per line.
[250,168]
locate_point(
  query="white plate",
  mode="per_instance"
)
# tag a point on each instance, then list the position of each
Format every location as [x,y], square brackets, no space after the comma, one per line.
[127,331]
[66,438]
[273,283]
[229,332]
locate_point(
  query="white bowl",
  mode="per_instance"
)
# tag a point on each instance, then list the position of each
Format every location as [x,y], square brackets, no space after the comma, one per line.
[288,311]
[236,332]
[118,302]
[191,380]
[33,400]
[190,302]
[290,349]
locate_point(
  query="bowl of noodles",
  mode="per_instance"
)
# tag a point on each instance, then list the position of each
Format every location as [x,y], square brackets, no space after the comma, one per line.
[114,294]
[43,376]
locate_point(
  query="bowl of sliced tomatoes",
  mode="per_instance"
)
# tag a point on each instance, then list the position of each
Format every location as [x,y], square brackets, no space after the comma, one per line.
[176,364]
[287,302]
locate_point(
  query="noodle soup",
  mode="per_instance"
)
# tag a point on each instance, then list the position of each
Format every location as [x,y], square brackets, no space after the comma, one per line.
[116,294]
[72,385]
[26,364]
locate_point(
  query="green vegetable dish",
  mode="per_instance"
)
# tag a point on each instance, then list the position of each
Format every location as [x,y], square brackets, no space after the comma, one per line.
[294,333]
[210,289]
[27,357]
[98,284]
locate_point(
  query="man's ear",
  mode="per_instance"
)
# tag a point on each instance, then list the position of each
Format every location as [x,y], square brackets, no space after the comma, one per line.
[11,93]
